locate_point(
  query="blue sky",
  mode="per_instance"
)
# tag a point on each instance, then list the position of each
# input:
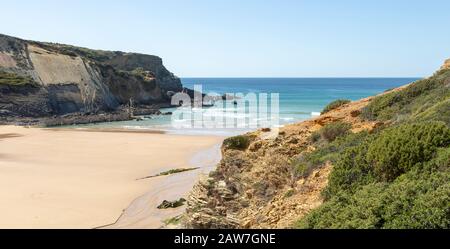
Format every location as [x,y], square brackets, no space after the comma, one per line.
[247,38]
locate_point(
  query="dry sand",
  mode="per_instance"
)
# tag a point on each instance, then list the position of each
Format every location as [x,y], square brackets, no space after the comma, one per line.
[80,179]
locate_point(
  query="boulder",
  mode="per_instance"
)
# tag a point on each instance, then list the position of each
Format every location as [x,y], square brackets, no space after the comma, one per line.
[172,204]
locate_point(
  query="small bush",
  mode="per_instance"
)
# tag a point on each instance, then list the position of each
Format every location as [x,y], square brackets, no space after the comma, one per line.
[174,220]
[438,112]
[440,162]
[306,163]
[289,193]
[315,137]
[240,142]
[302,169]
[335,104]
[334,130]
[350,172]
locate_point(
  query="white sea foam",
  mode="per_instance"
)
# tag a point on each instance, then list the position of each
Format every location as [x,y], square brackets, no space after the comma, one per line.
[136,127]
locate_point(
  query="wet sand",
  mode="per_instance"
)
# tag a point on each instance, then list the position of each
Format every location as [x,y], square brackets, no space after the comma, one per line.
[142,213]
[87,179]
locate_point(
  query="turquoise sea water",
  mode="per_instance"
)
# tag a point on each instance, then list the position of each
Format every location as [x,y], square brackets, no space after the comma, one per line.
[299,98]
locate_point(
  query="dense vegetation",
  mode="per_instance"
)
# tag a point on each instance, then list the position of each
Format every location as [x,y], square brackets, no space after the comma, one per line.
[427,99]
[327,152]
[13,79]
[331,131]
[96,55]
[335,104]
[394,177]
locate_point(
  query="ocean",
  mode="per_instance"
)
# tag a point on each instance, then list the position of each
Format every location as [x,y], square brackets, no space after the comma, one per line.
[299,99]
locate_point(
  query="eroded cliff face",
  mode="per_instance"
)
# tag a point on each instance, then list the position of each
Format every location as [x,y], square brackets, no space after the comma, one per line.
[51,79]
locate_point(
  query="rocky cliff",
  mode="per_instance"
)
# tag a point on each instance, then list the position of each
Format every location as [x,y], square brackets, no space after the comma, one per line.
[257,187]
[43,79]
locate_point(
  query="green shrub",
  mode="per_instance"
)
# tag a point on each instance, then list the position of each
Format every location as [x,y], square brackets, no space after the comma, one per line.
[399,149]
[415,99]
[335,104]
[301,169]
[438,112]
[240,142]
[418,201]
[334,130]
[315,137]
[441,162]
[14,79]
[289,193]
[380,107]
[347,211]
[385,156]
[96,55]
[397,178]
[412,201]
[174,220]
[350,172]
[306,163]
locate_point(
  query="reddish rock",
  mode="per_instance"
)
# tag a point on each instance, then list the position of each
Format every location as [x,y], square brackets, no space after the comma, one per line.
[355,113]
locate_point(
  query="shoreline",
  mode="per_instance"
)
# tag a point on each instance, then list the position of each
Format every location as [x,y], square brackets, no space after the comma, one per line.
[87,178]
[108,130]
[142,213]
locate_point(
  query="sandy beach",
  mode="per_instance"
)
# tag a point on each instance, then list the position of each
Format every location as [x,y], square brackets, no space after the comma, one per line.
[86,179]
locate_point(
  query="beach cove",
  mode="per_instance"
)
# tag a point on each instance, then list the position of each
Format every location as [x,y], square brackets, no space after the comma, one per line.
[60,178]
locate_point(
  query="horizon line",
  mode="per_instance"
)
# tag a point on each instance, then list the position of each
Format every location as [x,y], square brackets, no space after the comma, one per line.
[302,77]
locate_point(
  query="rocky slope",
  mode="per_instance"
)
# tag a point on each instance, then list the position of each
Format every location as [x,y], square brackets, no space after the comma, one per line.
[259,186]
[44,80]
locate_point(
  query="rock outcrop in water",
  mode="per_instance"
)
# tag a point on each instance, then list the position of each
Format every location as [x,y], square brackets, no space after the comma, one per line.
[45,80]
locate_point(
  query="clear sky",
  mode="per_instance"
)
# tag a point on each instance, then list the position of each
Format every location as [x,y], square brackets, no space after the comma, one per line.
[247,38]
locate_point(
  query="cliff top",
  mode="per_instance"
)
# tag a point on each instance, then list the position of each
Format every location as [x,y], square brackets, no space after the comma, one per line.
[15,54]
[126,61]
[446,64]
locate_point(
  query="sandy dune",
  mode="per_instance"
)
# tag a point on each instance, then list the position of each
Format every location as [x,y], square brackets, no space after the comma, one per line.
[75,179]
